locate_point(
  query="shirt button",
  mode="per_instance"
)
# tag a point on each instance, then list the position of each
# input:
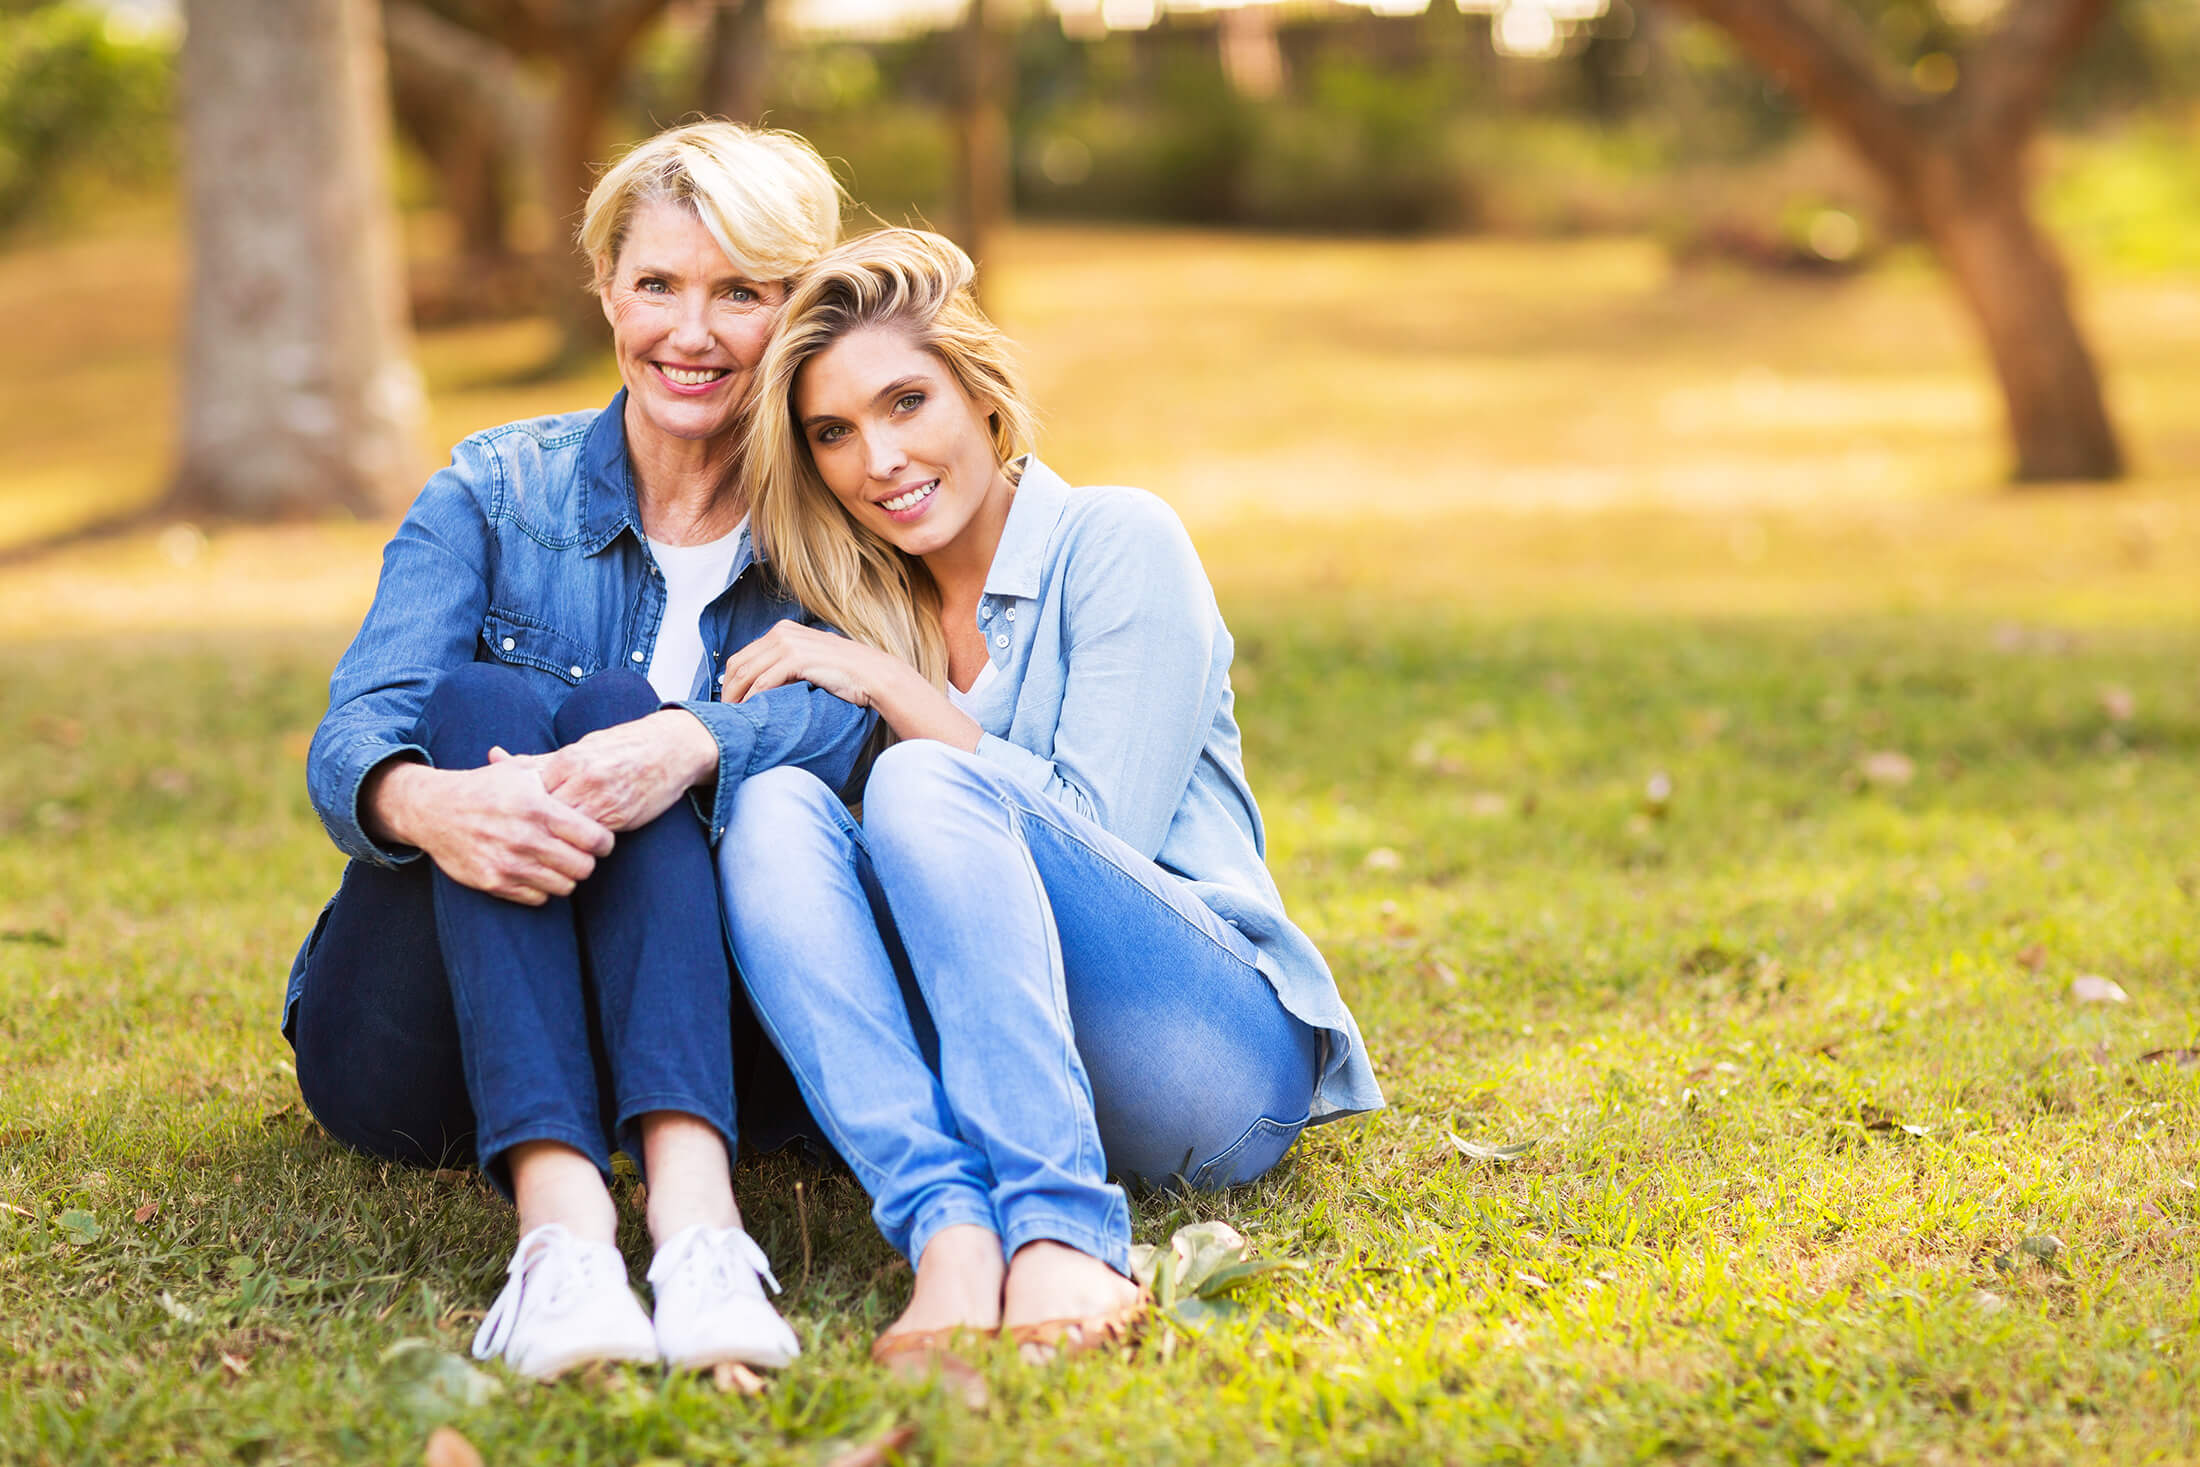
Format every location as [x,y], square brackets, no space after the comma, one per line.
[637,654]
[1001,641]
[1010,613]
[578,673]
[509,644]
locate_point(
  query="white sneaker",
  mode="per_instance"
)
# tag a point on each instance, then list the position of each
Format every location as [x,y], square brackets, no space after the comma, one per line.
[567,1303]
[709,1283]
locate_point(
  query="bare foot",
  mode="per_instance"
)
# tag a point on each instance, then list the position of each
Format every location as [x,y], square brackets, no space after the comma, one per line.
[1052,1281]
[958,1282]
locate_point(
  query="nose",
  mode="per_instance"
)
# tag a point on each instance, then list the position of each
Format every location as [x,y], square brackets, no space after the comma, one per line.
[691,330]
[883,447]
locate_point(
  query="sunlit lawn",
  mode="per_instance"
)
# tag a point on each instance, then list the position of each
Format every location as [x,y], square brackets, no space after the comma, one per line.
[1691,762]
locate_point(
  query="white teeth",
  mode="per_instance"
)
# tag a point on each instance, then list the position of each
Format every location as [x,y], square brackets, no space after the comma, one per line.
[693,377]
[917,495]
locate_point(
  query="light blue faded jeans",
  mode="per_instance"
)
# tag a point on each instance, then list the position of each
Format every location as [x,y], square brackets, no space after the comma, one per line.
[992,1004]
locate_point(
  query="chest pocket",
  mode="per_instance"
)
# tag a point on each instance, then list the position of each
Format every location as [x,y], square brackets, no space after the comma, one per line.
[523,642]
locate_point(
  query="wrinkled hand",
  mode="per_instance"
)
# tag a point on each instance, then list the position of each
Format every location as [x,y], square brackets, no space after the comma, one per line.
[500,831]
[793,653]
[627,775]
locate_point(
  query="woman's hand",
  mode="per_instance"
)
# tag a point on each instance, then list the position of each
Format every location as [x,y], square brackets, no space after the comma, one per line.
[627,775]
[853,672]
[793,653]
[496,829]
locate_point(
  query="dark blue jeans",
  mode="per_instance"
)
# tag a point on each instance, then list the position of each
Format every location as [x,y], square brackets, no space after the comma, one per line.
[436,1019]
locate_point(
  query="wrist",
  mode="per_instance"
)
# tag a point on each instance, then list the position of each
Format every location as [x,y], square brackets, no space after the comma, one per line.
[692,747]
[390,798]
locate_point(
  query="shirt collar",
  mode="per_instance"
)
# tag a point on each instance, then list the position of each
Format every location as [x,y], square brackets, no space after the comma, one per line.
[607,482]
[1019,561]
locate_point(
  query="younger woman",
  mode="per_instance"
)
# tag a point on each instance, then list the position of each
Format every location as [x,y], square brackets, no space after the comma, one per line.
[1051,951]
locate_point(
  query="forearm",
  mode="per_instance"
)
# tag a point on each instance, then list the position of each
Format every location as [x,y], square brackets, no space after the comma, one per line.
[914,709]
[392,798]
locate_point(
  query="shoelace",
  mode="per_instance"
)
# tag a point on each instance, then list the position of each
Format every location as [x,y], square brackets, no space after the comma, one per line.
[715,1250]
[547,1265]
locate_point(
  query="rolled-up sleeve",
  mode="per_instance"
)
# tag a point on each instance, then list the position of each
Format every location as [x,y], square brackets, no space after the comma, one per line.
[1142,682]
[427,614]
[796,725]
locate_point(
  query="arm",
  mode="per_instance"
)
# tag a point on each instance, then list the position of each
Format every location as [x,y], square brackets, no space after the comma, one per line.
[427,611]
[1141,631]
[790,655]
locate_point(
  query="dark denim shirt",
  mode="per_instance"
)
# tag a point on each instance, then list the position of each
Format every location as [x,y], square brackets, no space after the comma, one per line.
[528,551]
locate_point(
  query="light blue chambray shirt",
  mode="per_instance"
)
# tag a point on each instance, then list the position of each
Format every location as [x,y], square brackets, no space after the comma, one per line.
[1114,698]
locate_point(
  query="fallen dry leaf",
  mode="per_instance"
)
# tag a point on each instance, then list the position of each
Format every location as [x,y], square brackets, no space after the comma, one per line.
[876,1454]
[2032,958]
[736,1379]
[2093,988]
[235,1365]
[145,1214]
[1887,767]
[2183,1058]
[447,1447]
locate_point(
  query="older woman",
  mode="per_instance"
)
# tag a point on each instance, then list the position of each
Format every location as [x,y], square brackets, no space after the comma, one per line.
[526,953]
[1099,976]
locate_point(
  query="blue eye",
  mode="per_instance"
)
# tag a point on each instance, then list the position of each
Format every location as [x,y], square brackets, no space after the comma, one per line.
[650,285]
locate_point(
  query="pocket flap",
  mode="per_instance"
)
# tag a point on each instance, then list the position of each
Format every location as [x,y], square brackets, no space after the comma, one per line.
[527,643]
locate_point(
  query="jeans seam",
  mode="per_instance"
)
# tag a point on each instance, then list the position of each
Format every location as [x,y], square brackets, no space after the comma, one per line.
[1058,993]
[1261,1125]
[1052,1227]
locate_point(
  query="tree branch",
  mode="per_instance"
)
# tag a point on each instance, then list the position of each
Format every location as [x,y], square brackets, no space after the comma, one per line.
[2014,69]
[1823,55]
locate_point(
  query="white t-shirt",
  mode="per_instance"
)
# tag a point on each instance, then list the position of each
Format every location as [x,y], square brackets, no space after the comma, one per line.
[694,574]
[967,701]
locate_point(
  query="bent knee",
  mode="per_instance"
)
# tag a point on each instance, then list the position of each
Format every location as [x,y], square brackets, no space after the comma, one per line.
[614,696]
[911,780]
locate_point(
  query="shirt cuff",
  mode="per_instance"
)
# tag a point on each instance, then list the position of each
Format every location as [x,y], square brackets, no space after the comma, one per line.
[733,725]
[349,829]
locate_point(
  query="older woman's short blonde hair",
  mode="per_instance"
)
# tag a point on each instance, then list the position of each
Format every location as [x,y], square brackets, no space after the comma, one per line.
[906,280]
[766,197]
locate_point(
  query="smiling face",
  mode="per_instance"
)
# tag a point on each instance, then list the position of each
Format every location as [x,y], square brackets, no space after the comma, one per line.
[688,326]
[904,449]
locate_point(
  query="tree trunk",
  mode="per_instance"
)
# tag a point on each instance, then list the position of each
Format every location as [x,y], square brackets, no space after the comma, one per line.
[1973,209]
[736,59]
[586,85]
[298,393]
[981,137]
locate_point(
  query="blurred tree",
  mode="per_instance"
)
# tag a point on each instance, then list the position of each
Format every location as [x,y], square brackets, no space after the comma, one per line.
[589,44]
[298,394]
[1948,142]
[981,133]
[76,104]
[736,60]
[459,98]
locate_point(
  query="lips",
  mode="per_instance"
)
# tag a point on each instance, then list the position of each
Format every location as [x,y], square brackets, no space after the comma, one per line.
[690,376]
[910,498]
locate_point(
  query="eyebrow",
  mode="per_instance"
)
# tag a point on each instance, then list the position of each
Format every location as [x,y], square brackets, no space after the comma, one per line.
[891,389]
[736,278]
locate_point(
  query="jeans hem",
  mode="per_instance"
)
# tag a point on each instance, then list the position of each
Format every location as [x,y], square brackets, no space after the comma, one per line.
[1112,1250]
[628,1134]
[935,1218]
[491,1150]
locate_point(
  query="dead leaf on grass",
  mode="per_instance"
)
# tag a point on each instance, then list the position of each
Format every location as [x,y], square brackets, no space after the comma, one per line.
[448,1447]
[879,1453]
[2093,988]
[1887,768]
[236,1365]
[145,1214]
[1478,1151]
[736,1379]
[2032,958]
[2182,1058]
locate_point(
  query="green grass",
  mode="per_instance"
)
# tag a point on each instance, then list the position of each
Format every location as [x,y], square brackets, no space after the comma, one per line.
[1795,1048]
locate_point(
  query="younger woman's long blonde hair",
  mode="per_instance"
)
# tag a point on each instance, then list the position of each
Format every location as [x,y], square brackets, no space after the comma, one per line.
[907,280]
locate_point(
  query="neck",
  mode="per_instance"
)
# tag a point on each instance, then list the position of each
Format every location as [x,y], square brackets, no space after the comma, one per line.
[959,568]
[684,488]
